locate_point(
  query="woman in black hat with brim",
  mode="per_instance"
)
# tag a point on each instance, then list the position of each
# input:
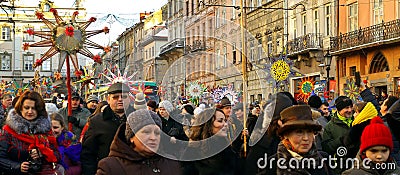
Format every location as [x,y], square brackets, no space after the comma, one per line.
[297,134]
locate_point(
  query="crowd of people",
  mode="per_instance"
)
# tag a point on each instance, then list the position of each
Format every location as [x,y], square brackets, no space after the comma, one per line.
[124,136]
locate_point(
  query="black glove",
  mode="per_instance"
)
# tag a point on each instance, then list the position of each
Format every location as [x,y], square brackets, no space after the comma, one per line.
[73,120]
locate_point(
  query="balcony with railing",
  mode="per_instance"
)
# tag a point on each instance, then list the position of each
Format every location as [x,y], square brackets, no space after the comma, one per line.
[383,33]
[177,43]
[305,43]
[197,45]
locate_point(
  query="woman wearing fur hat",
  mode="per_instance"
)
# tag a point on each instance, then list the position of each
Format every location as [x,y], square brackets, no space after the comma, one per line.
[376,145]
[27,144]
[297,134]
[134,148]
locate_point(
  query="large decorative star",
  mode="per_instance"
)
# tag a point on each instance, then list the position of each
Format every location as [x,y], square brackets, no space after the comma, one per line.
[66,37]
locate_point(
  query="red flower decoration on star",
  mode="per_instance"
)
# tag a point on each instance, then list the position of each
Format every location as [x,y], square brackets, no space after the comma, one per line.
[30,31]
[38,63]
[25,46]
[97,59]
[69,31]
[78,73]
[39,15]
[92,19]
[76,13]
[53,10]
[57,75]
[106,30]
[107,49]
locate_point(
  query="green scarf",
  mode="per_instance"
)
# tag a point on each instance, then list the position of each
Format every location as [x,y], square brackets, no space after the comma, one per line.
[345,120]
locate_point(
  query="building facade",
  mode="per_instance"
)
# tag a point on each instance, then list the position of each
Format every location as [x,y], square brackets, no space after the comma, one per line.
[175,78]
[368,43]
[310,26]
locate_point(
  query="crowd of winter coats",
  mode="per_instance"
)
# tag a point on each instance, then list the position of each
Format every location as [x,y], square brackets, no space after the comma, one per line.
[99,137]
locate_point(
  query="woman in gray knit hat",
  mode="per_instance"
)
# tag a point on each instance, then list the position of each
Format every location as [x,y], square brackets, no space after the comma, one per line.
[134,148]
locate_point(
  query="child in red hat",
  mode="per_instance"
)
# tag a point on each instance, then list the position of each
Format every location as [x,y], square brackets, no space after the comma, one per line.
[374,155]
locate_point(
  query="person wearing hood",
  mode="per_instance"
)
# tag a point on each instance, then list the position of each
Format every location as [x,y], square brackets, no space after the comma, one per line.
[297,133]
[135,146]
[172,144]
[376,145]
[27,144]
[79,115]
[264,138]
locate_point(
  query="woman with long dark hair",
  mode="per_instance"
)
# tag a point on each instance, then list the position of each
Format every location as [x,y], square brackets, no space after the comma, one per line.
[27,144]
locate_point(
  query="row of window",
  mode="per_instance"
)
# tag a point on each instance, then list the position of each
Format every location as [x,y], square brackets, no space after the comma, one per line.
[28,62]
[6,33]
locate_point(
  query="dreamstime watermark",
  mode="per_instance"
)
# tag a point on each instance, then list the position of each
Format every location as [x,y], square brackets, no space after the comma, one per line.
[331,162]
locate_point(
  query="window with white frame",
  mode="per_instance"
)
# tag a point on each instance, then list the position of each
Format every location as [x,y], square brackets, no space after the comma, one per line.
[233,9]
[210,60]
[28,62]
[6,33]
[252,51]
[259,3]
[5,61]
[294,27]
[304,23]
[217,16]
[217,58]
[328,18]
[27,37]
[353,17]
[223,22]
[259,48]
[225,56]
[234,53]
[269,44]
[316,21]
[378,11]
[46,65]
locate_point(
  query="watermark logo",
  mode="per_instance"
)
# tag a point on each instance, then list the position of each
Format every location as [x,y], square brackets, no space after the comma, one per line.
[341,151]
[331,162]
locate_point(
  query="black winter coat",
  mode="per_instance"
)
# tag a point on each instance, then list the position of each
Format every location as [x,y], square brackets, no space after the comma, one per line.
[98,138]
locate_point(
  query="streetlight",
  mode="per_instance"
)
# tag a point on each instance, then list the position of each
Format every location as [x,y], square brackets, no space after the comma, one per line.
[328,60]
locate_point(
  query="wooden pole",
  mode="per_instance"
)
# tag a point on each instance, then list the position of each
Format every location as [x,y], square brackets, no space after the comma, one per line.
[69,92]
[244,70]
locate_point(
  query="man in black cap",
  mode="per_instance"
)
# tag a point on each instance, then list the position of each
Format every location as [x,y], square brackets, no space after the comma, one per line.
[336,131]
[102,127]
[79,115]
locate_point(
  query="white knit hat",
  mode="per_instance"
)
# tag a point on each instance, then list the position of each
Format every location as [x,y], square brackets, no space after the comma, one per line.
[167,105]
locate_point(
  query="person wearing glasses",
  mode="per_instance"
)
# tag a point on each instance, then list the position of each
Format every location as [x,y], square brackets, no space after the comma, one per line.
[103,126]
[297,133]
